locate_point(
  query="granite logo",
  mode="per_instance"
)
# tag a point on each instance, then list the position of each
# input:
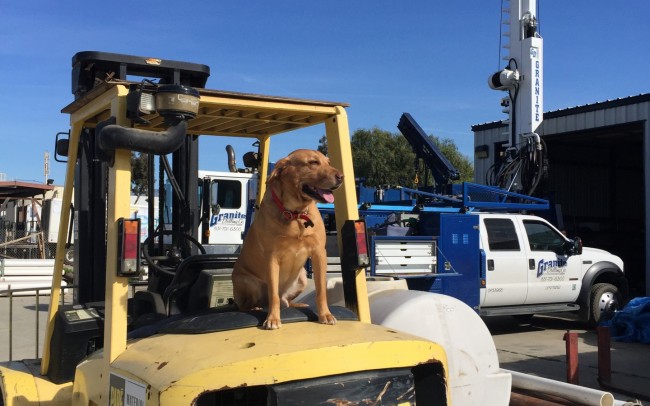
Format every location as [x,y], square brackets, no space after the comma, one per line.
[554,267]
[534,54]
[228,219]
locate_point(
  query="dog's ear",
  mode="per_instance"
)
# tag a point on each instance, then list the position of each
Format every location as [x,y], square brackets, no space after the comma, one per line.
[277,170]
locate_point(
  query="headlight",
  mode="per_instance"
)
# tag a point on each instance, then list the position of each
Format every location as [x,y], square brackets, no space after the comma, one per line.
[177,101]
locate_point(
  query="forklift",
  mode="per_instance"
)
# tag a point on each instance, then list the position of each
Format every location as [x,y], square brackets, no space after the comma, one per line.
[179,340]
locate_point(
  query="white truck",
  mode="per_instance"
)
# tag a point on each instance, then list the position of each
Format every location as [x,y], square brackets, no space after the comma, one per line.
[505,264]
[226,209]
[533,267]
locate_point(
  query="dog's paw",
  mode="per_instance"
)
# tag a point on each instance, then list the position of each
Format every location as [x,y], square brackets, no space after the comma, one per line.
[327,319]
[272,323]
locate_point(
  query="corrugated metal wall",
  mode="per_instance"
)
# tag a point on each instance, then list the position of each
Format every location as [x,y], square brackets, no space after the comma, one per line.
[488,137]
[600,165]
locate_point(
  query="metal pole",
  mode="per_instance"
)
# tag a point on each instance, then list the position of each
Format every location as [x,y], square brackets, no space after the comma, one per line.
[571,357]
[604,356]
[38,291]
[578,394]
[11,322]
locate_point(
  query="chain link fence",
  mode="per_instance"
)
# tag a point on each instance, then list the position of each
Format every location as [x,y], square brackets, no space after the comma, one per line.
[16,242]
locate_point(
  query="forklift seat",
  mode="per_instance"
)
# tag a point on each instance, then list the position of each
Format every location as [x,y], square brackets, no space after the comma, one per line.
[200,282]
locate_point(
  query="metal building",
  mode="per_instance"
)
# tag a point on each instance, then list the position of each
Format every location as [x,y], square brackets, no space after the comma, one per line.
[598,175]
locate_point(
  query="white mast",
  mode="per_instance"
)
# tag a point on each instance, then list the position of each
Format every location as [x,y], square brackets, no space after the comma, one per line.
[523,79]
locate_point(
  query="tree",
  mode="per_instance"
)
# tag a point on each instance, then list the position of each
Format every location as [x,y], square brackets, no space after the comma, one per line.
[384,158]
[322,145]
[139,173]
[462,163]
[381,158]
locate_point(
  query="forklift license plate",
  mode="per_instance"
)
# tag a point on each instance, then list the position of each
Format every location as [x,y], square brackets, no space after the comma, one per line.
[125,392]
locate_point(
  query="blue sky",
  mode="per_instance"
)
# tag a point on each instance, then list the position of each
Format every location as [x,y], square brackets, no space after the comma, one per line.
[429,58]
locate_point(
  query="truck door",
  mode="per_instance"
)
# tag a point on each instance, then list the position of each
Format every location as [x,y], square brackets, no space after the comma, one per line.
[553,275]
[506,277]
[228,218]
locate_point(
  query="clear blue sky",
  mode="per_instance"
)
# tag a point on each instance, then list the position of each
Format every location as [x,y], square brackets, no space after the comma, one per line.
[428,58]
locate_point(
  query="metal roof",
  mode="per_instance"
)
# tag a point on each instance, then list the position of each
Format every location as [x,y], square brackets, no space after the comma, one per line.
[625,101]
[22,190]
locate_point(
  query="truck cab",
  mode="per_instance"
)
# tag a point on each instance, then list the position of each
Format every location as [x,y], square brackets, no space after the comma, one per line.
[516,243]
[228,199]
[530,264]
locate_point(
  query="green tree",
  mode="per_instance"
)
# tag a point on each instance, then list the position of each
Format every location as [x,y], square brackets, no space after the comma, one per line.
[384,158]
[462,163]
[139,173]
[381,158]
[322,145]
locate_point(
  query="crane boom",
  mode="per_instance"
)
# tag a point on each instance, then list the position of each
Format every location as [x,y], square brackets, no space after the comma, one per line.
[442,170]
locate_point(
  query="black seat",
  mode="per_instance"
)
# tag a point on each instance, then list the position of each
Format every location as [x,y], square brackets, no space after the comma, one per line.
[190,289]
[184,293]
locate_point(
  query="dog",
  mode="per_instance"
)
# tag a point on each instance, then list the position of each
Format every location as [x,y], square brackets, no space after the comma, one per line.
[287,230]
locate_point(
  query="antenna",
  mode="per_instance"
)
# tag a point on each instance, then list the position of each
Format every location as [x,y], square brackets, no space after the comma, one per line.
[46,165]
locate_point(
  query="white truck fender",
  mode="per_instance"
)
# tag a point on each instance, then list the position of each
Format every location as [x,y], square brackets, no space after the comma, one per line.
[601,271]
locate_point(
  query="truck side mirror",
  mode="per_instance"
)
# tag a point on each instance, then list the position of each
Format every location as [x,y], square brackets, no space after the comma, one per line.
[214,198]
[573,247]
[577,246]
[61,146]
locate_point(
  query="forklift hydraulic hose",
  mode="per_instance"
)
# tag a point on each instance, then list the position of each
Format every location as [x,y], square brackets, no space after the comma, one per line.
[113,137]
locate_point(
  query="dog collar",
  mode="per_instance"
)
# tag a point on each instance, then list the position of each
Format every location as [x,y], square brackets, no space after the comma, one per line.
[291,215]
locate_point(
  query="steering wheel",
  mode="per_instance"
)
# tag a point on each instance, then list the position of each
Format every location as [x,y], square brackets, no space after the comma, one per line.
[173,256]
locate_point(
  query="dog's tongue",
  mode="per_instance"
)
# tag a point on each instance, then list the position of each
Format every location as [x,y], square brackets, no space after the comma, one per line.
[326,195]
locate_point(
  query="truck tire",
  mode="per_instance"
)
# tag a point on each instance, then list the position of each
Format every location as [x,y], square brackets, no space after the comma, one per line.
[68,258]
[605,300]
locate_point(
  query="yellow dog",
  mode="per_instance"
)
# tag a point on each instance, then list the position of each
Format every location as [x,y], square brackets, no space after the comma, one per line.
[286,231]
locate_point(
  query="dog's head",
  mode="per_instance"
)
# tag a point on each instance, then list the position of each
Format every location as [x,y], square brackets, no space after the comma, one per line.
[306,175]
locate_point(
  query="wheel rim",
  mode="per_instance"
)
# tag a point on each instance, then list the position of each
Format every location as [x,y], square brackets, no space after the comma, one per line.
[69,256]
[607,303]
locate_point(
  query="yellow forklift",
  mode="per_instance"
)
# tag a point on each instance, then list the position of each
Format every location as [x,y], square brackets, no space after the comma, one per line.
[180,341]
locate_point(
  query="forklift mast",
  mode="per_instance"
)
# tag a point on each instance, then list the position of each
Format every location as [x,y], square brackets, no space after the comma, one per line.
[90,70]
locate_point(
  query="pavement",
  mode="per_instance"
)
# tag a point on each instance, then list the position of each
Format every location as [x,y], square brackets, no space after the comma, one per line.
[24,314]
[534,347]
[538,347]
[24,340]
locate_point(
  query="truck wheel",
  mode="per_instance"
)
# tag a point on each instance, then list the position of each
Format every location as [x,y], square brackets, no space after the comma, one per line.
[605,300]
[68,258]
